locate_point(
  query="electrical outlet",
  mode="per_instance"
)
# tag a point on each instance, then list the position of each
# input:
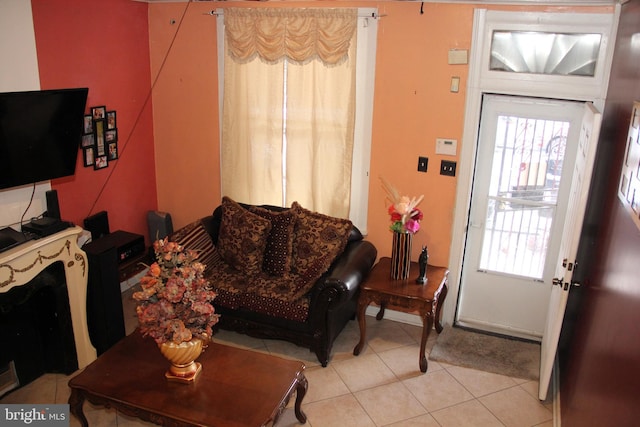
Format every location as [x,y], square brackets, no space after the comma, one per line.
[448,168]
[423,162]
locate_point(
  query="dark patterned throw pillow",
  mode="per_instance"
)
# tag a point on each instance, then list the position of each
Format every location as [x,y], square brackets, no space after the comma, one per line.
[318,240]
[277,254]
[243,237]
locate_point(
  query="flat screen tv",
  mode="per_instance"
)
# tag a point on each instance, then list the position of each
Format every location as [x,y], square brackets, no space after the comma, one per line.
[40,134]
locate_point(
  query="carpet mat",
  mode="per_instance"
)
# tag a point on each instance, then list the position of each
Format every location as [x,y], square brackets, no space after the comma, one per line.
[489,353]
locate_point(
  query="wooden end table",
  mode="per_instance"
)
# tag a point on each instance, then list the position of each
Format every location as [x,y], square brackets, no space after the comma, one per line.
[406,296]
[235,388]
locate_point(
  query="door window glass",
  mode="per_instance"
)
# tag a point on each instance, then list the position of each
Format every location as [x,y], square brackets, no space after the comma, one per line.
[523,194]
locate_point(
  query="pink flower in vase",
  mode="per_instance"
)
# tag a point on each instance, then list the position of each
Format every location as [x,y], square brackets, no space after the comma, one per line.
[405,216]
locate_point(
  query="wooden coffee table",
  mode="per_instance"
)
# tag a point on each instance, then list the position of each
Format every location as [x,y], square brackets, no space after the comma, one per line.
[406,296]
[235,388]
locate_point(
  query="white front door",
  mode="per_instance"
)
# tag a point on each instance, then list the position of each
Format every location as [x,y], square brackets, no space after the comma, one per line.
[566,264]
[522,180]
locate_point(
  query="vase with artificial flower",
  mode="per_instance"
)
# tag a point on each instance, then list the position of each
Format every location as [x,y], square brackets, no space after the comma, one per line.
[405,222]
[175,308]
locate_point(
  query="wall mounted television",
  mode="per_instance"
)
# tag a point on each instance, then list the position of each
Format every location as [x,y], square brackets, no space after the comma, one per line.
[40,134]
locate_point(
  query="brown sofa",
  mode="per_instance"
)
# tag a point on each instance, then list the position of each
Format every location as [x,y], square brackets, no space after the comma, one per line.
[282,273]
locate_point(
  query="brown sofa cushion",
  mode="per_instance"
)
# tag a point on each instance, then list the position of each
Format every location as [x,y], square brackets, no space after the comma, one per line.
[318,240]
[277,254]
[263,293]
[194,236]
[243,237]
[268,302]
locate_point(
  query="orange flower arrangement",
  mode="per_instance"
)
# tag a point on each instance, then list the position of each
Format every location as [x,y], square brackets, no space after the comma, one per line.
[175,303]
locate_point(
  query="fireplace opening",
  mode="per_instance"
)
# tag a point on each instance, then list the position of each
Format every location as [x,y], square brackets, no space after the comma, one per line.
[36,331]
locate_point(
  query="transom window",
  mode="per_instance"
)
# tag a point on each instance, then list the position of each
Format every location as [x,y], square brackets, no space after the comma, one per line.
[545,53]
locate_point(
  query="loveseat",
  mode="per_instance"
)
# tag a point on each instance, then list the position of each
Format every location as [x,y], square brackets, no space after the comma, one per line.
[281,273]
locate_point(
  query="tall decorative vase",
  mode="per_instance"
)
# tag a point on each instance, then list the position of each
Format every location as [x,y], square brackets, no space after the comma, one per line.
[182,356]
[401,255]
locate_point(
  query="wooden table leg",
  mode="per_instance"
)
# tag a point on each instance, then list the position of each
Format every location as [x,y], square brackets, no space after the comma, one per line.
[301,391]
[380,314]
[439,301]
[76,401]
[427,324]
[363,303]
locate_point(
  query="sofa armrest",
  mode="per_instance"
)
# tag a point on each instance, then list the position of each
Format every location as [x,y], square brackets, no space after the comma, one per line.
[343,279]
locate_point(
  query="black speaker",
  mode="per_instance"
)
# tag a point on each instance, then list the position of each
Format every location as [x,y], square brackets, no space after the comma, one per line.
[97,224]
[160,225]
[53,207]
[105,317]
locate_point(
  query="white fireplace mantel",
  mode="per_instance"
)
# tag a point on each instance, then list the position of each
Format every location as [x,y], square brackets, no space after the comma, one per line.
[21,264]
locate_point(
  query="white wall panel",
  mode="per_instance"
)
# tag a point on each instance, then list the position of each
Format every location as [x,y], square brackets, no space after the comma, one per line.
[19,72]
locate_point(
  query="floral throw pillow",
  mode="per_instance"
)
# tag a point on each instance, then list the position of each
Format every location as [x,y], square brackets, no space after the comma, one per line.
[318,240]
[277,254]
[242,238]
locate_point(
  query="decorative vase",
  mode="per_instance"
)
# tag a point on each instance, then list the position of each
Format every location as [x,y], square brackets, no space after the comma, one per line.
[401,255]
[182,356]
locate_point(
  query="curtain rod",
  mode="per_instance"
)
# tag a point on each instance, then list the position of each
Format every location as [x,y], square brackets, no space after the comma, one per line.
[374,15]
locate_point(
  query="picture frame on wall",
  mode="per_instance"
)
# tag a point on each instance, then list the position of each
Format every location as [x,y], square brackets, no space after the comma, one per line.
[629,187]
[100,138]
[113,151]
[88,124]
[101,162]
[88,140]
[99,112]
[624,186]
[111,120]
[88,156]
[111,135]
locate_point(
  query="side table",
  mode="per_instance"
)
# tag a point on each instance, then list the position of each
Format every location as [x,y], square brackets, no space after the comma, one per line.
[406,296]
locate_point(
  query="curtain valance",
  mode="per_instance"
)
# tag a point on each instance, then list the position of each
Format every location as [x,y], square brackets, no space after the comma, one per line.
[299,35]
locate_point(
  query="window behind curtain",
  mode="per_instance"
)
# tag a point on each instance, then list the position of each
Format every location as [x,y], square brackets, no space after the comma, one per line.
[277,154]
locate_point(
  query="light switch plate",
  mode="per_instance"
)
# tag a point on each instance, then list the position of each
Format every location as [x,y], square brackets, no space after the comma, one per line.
[455,84]
[423,162]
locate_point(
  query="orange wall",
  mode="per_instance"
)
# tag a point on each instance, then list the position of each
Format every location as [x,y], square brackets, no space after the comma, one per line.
[185,97]
[103,45]
[412,107]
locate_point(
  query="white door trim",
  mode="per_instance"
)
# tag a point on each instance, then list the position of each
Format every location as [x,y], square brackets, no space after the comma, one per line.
[466,161]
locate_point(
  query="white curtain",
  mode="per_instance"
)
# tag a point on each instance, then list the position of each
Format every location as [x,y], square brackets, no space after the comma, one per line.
[289,107]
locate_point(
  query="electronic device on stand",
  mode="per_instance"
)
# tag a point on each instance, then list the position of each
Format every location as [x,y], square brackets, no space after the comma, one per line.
[50,223]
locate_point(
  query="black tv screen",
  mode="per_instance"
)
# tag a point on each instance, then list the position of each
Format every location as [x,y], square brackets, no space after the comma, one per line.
[40,134]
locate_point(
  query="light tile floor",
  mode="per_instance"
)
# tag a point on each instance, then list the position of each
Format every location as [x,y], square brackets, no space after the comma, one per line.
[383,386]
